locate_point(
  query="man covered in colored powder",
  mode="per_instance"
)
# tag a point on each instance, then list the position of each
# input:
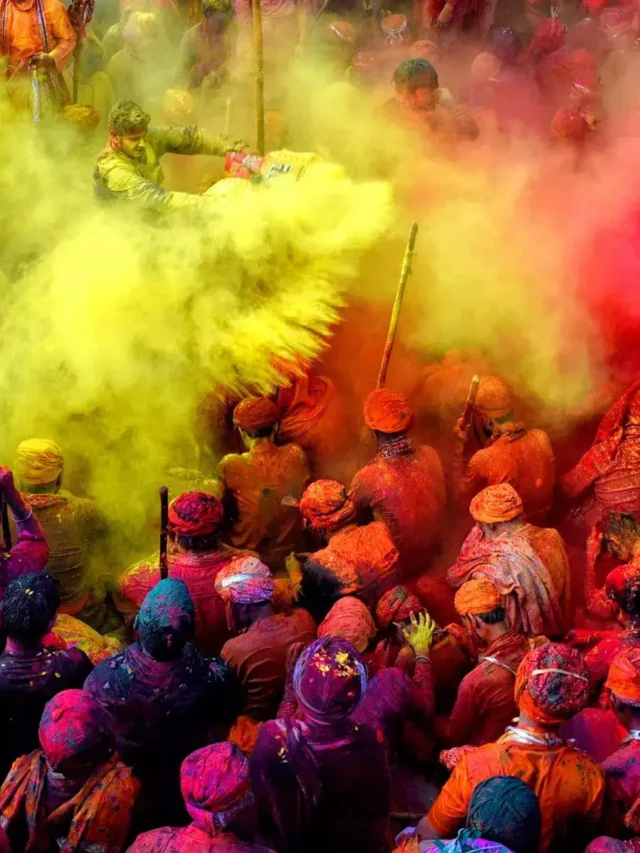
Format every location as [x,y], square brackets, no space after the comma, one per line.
[216,788]
[608,475]
[510,453]
[129,167]
[31,552]
[74,528]
[551,686]
[500,551]
[309,775]
[30,672]
[74,789]
[485,704]
[360,560]
[206,47]
[258,650]
[257,481]
[403,486]
[195,556]
[164,698]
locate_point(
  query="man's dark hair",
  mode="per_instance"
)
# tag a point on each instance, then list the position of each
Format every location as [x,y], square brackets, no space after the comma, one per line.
[29,606]
[416,74]
[209,542]
[263,432]
[622,525]
[127,117]
[494,617]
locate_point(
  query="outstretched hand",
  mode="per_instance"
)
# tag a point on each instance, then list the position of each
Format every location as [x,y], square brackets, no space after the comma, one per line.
[419,634]
[594,544]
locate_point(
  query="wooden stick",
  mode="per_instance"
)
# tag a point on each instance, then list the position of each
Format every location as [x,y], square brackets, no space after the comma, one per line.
[397,305]
[227,117]
[259,59]
[164,521]
[471,401]
[6,530]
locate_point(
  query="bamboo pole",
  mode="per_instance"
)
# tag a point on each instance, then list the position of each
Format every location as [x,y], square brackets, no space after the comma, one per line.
[259,60]
[397,305]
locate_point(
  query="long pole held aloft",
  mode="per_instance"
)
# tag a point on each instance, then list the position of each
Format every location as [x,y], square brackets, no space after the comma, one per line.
[164,521]
[397,305]
[259,60]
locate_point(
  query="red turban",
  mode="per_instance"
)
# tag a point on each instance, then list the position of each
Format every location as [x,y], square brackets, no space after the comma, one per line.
[494,398]
[423,49]
[570,125]
[548,37]
[325,505]
[552,684]
[245,581]
[477,596]
[623,587]
[496,504]
[612,427]
[349,619]
[255,413]
[387,411]
[194,514]
[397,605]
[74,728]
[624,675]
[485,68]
[216,786]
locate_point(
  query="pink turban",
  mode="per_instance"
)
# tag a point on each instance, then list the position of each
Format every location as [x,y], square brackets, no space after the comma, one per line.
[245,581]
[351,620]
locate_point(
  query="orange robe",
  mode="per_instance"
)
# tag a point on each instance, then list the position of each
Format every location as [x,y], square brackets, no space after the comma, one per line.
[550,548]
[22,36]
[568,784]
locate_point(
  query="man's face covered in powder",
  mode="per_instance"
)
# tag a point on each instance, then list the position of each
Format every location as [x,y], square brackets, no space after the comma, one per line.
[423,98]
[133,145]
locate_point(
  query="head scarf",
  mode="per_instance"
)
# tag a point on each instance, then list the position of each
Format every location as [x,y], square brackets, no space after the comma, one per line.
[506,44]
[255,413]
[38,462]
[397,605]
[387,411]
[245,581]
[416,74]
[496,504]
[623,587]
[423,49]
[74,729]
[349,619]
[216,786]
[552,684]
[548,37]
[330,679]
[494,398]
[477,596]
[194,514]
[624,676]
[506,810]
[325,505]
[570,125]
[485,68]
[167,616]
[611,430]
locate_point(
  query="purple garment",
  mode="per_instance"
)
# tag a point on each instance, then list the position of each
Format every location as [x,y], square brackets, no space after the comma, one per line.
[457,845]
[192,840]
[28,680]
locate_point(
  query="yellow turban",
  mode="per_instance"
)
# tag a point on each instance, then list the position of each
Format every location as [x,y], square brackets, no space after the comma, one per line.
[38,462]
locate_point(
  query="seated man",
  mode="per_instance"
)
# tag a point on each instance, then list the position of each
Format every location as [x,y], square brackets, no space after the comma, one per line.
[217,793]
[31,674]
[165,700]
[551,686]
[257,654]
[195,556]
[509,453]
[404,485]
[485,704]
[129,167]
[500,549]
[257,481]
[357,560]
[73,526]
[74,793]
[31,552]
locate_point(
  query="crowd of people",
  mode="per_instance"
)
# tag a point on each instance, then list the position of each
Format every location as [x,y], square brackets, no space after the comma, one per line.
[287,687]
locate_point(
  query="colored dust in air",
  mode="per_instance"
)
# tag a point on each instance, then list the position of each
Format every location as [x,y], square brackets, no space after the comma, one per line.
[121,334]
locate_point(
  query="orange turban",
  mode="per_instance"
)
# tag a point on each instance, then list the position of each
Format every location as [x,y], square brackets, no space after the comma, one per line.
[349,619]
[325,505]
[552,684]
[624,675]
[255,413]
[494,399]
[495,504]
[397,605]
[477,596]
[485,68]
[387,411]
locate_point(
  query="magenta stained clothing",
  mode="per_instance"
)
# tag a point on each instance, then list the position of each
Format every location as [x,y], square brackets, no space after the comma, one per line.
[191,839]
[404,487]
[351,767]
[622,778]
[29,554]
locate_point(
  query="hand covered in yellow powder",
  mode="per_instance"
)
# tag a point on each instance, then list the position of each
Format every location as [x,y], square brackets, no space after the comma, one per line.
[419,634]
